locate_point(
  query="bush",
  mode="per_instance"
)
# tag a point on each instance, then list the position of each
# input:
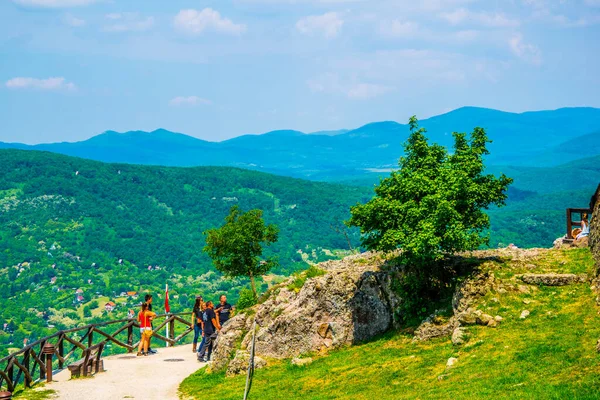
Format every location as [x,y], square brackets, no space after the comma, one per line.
[247,299]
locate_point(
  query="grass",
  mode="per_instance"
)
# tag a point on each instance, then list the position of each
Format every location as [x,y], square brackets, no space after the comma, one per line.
[301,277]
[549,355]
[39,394]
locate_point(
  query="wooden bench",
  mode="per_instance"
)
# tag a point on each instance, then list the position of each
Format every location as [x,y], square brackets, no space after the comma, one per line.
[93,365]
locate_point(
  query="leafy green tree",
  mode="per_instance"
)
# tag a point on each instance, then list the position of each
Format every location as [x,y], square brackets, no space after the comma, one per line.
[236,248]
[87,313]
[434,204]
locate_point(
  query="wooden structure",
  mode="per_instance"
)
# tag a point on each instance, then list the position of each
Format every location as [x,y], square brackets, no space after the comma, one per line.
[37,361]
[571,223]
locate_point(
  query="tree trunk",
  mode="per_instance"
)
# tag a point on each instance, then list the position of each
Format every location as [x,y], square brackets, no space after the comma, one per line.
[253,285]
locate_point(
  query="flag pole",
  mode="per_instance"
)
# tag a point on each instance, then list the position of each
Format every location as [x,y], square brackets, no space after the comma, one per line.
[166,302]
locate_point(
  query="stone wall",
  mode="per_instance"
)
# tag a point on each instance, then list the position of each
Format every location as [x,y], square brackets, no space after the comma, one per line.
[595,228]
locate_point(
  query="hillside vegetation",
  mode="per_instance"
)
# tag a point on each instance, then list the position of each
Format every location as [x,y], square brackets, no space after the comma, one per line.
[548,355]
[108,229]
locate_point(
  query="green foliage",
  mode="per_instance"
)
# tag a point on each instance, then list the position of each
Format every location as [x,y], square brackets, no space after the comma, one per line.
[98,227]
[301,277]
[433,205]
[247,299]
[236,248]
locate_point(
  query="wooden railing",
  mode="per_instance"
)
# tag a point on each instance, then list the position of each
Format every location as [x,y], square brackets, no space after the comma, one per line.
[36,361]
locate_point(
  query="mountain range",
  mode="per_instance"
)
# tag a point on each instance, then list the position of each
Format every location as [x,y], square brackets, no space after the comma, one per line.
[538,139]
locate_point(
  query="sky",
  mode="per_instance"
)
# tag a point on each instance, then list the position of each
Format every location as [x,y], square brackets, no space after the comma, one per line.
[72,69]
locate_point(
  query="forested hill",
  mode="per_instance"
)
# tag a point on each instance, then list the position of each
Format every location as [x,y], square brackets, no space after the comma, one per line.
[69,223]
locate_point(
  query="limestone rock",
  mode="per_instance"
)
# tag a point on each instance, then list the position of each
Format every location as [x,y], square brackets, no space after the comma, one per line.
[239,365]
[498,318]
[552,279]
[429,329]
[451,362]
[230,334]
[459,336]
[351,303]
[471,289]
[524,314]
[302,361]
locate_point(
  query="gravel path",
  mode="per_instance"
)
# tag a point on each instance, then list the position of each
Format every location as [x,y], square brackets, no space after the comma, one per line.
[130,377]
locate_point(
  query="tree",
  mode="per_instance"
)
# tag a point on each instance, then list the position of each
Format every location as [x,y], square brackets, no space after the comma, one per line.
[434,204]
[236,248]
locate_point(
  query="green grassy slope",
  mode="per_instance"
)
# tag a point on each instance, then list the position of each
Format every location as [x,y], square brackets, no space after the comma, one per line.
[549,355]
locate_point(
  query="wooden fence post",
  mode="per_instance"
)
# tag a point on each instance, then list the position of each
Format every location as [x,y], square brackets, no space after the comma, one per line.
[48,351]
[172,328]
[26,358]
[61,351]
[130,336]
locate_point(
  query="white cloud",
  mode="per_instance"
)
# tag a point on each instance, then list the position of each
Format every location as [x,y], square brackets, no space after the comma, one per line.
[55,83]
[327,25]
[196,22]
[363,91]
[332,83]
[189,101]
[53,3]
[73,21]
[490,20]
[398,28]
[526,51]
[128,22]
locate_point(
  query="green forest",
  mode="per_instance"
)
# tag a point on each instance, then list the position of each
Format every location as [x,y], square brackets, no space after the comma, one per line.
[68,224]
[76,234]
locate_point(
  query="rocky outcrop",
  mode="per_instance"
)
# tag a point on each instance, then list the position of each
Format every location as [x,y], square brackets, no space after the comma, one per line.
[594,239]
[351,303]
[553,279]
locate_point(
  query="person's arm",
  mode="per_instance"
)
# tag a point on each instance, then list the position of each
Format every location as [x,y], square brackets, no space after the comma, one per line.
[193,318]
[215,322]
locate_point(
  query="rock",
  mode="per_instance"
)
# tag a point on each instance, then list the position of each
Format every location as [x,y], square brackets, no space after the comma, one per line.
[492,323]
[470,290]
[582,242]
[484,319]
[231,334]
[552,279]
[498,318]
[530,266]
[526,301]
[467,317]
[523,289]
[429,329]
[353,302]
[598,346]
[459,336]
[502,291]
[594,238]
[302,361]
[524,314]
[451,362]
[239,365]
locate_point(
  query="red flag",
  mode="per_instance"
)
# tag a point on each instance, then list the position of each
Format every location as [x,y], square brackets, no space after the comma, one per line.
[167,308]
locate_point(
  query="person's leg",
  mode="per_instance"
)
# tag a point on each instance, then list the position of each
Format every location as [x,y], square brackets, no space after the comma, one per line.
[197,330]
[202,349]
[146,343]
[141,345]
[211,342]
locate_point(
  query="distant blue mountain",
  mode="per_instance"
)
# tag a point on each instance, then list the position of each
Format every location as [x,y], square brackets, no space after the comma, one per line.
[542,138]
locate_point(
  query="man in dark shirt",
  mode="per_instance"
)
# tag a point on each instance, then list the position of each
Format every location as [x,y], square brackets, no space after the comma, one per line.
[148,299]
[224,310]
[211,327]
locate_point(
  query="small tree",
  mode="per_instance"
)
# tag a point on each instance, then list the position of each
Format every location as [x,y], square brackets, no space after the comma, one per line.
[434,204]
[236,248]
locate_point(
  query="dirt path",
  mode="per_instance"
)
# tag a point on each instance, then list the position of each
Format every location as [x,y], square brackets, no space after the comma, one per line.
[130,377]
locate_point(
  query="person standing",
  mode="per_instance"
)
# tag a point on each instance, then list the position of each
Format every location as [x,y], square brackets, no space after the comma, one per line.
[197,321]
[224,310]
[145,317]
[148,300]
[210,328]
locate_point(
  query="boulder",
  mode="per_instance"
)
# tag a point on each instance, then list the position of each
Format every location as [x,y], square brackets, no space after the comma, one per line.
[459,336]
[231,334]
[430,328]
[351,303]
[524,314]
[239,364]
[451,362]
[552,279]
[470,290]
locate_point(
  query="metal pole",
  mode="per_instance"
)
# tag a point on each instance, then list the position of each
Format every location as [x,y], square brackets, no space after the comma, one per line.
[250,363]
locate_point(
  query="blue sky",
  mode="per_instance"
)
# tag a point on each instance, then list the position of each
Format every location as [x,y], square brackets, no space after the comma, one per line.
[71,69]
